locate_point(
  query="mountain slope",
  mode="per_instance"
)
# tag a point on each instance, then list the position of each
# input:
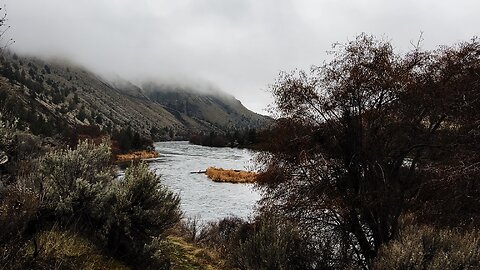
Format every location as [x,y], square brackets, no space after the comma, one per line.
[60,95]
[214,110]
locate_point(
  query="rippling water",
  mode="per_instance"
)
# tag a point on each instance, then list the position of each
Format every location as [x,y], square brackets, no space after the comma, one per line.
[201,197]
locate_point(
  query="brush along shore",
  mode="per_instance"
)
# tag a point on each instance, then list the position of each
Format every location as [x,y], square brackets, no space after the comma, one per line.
[230,176]
[137,155]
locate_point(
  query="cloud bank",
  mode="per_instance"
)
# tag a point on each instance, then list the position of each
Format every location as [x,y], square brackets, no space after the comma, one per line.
[238,45]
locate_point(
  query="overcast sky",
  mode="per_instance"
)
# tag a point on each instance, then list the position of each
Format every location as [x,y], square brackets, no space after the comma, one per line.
[238,45]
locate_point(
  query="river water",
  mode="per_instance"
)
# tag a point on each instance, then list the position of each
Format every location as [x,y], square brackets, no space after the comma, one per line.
[200,196]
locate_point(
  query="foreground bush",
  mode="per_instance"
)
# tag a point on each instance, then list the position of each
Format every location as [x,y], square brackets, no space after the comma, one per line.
[18,207]
[267,243]
[76,192]
[141,212]
[424,247]
[75,183]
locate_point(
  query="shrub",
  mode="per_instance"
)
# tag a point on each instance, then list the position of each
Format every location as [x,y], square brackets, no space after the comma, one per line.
[191,229]
[73,181]
[17,149]
[142,211]
[81,193]
[218,235]
[18,207]
[271,244]
[267,243]
[425,247]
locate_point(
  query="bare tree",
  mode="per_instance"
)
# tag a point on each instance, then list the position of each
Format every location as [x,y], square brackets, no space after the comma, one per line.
[371,135]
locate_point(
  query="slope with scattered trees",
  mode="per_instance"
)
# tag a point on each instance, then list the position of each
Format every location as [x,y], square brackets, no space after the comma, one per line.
[58,98]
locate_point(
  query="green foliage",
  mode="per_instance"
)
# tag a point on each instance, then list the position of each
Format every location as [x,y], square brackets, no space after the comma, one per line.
[127,139]
[125,215]
[247,138]
[76,190]
[15,110]
[141,210]
[82,114]
[47,69]
[17,148]
[152,206]
[74,179]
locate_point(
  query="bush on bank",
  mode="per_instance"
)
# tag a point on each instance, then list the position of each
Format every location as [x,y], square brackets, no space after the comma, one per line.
[76,191]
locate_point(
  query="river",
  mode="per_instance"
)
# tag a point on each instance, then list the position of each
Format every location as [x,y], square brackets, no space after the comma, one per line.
[200,196]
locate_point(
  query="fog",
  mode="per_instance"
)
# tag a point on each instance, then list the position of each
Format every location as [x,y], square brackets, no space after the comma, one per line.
[238,46]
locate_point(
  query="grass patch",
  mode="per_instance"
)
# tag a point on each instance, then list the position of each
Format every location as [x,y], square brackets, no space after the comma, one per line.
[230,176]
[185,256]
[70,250]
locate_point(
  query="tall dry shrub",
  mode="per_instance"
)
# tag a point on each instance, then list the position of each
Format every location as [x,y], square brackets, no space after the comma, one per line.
[266,243]
[373,134]
[425,247]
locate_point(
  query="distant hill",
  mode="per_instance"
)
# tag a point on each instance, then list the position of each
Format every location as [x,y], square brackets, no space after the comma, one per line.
[54,96]
[204,110]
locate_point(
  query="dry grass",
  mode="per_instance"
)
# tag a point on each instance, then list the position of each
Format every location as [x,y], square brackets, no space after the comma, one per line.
[69,249]
[186,256]
[230,176]
[137,155]
[426,247]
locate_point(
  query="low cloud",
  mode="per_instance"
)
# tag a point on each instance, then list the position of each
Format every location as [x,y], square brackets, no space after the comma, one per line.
[237,45]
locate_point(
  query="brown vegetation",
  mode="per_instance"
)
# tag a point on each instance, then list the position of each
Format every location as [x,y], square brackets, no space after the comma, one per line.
[187,255]
[429,248]
[230,176]
[370,136]
[64,249]
[263,243]
[137,155]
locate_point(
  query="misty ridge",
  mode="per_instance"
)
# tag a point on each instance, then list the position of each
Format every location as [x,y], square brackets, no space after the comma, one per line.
[152,110]
[163,83]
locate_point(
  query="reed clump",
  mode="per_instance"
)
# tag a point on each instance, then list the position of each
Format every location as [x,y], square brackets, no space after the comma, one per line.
[137,155]
[230,176]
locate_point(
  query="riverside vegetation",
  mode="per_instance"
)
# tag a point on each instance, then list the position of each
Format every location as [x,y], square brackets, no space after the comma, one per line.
[64,209]
[372,163]
[230,176]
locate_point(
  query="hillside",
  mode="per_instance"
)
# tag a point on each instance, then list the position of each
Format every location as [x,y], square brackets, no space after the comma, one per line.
[53,96]
[211,109]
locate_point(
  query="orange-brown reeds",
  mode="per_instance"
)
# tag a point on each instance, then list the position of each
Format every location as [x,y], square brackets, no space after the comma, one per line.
[230,176]
[137,155]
